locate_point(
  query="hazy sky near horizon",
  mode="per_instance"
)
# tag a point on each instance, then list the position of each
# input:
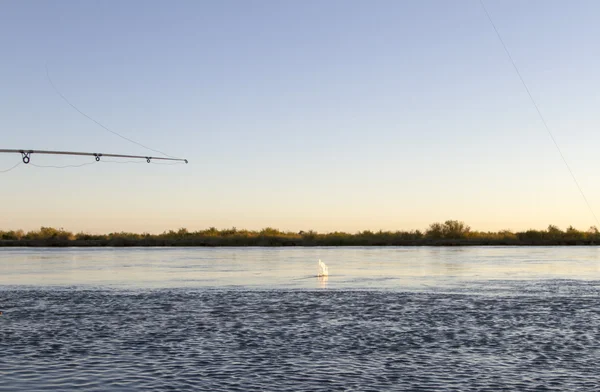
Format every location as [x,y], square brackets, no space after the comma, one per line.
[326,115]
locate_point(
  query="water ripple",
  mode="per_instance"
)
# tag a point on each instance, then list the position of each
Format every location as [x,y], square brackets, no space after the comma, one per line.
[240,340]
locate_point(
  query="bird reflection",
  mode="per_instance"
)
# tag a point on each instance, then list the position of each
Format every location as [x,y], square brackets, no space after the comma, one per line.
[323,281]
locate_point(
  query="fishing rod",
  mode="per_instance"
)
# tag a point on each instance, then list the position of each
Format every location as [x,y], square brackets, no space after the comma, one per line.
[26,155]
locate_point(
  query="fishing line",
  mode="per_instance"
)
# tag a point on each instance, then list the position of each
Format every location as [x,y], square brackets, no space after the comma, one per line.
[95,121]
[167,164]
[152,163]
[63,167]
[14,167]
[539,112]
[109,161]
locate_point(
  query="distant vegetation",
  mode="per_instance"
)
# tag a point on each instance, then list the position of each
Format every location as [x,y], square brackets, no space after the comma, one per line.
[449,233]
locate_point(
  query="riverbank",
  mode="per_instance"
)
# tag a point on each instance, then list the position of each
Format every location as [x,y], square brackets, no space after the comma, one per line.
[449,233]
[280,242]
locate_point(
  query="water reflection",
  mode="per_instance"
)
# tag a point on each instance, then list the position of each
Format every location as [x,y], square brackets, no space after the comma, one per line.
[323,281]
[374,268]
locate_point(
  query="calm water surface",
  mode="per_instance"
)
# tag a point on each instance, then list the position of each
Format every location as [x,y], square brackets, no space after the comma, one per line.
[501,318]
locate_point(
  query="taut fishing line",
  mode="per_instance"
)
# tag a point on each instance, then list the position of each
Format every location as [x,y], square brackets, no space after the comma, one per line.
[96,121]
[539,112]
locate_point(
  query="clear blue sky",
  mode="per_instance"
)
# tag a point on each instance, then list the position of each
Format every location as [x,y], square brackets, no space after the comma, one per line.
[334,115]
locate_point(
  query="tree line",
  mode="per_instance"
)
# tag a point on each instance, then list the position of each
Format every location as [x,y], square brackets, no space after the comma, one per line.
[448,233]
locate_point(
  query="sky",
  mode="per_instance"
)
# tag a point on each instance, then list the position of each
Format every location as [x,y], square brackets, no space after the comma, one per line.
[325,115]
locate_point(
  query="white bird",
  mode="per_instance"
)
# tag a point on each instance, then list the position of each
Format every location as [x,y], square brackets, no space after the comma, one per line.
[323,270]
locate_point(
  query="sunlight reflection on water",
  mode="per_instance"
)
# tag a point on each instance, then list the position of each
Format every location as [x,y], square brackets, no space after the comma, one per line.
[405,268]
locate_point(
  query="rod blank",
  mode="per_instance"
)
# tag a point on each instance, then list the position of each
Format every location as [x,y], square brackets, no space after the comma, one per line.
[26,154]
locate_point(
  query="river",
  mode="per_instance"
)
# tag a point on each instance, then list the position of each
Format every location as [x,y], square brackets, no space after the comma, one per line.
[239,319]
